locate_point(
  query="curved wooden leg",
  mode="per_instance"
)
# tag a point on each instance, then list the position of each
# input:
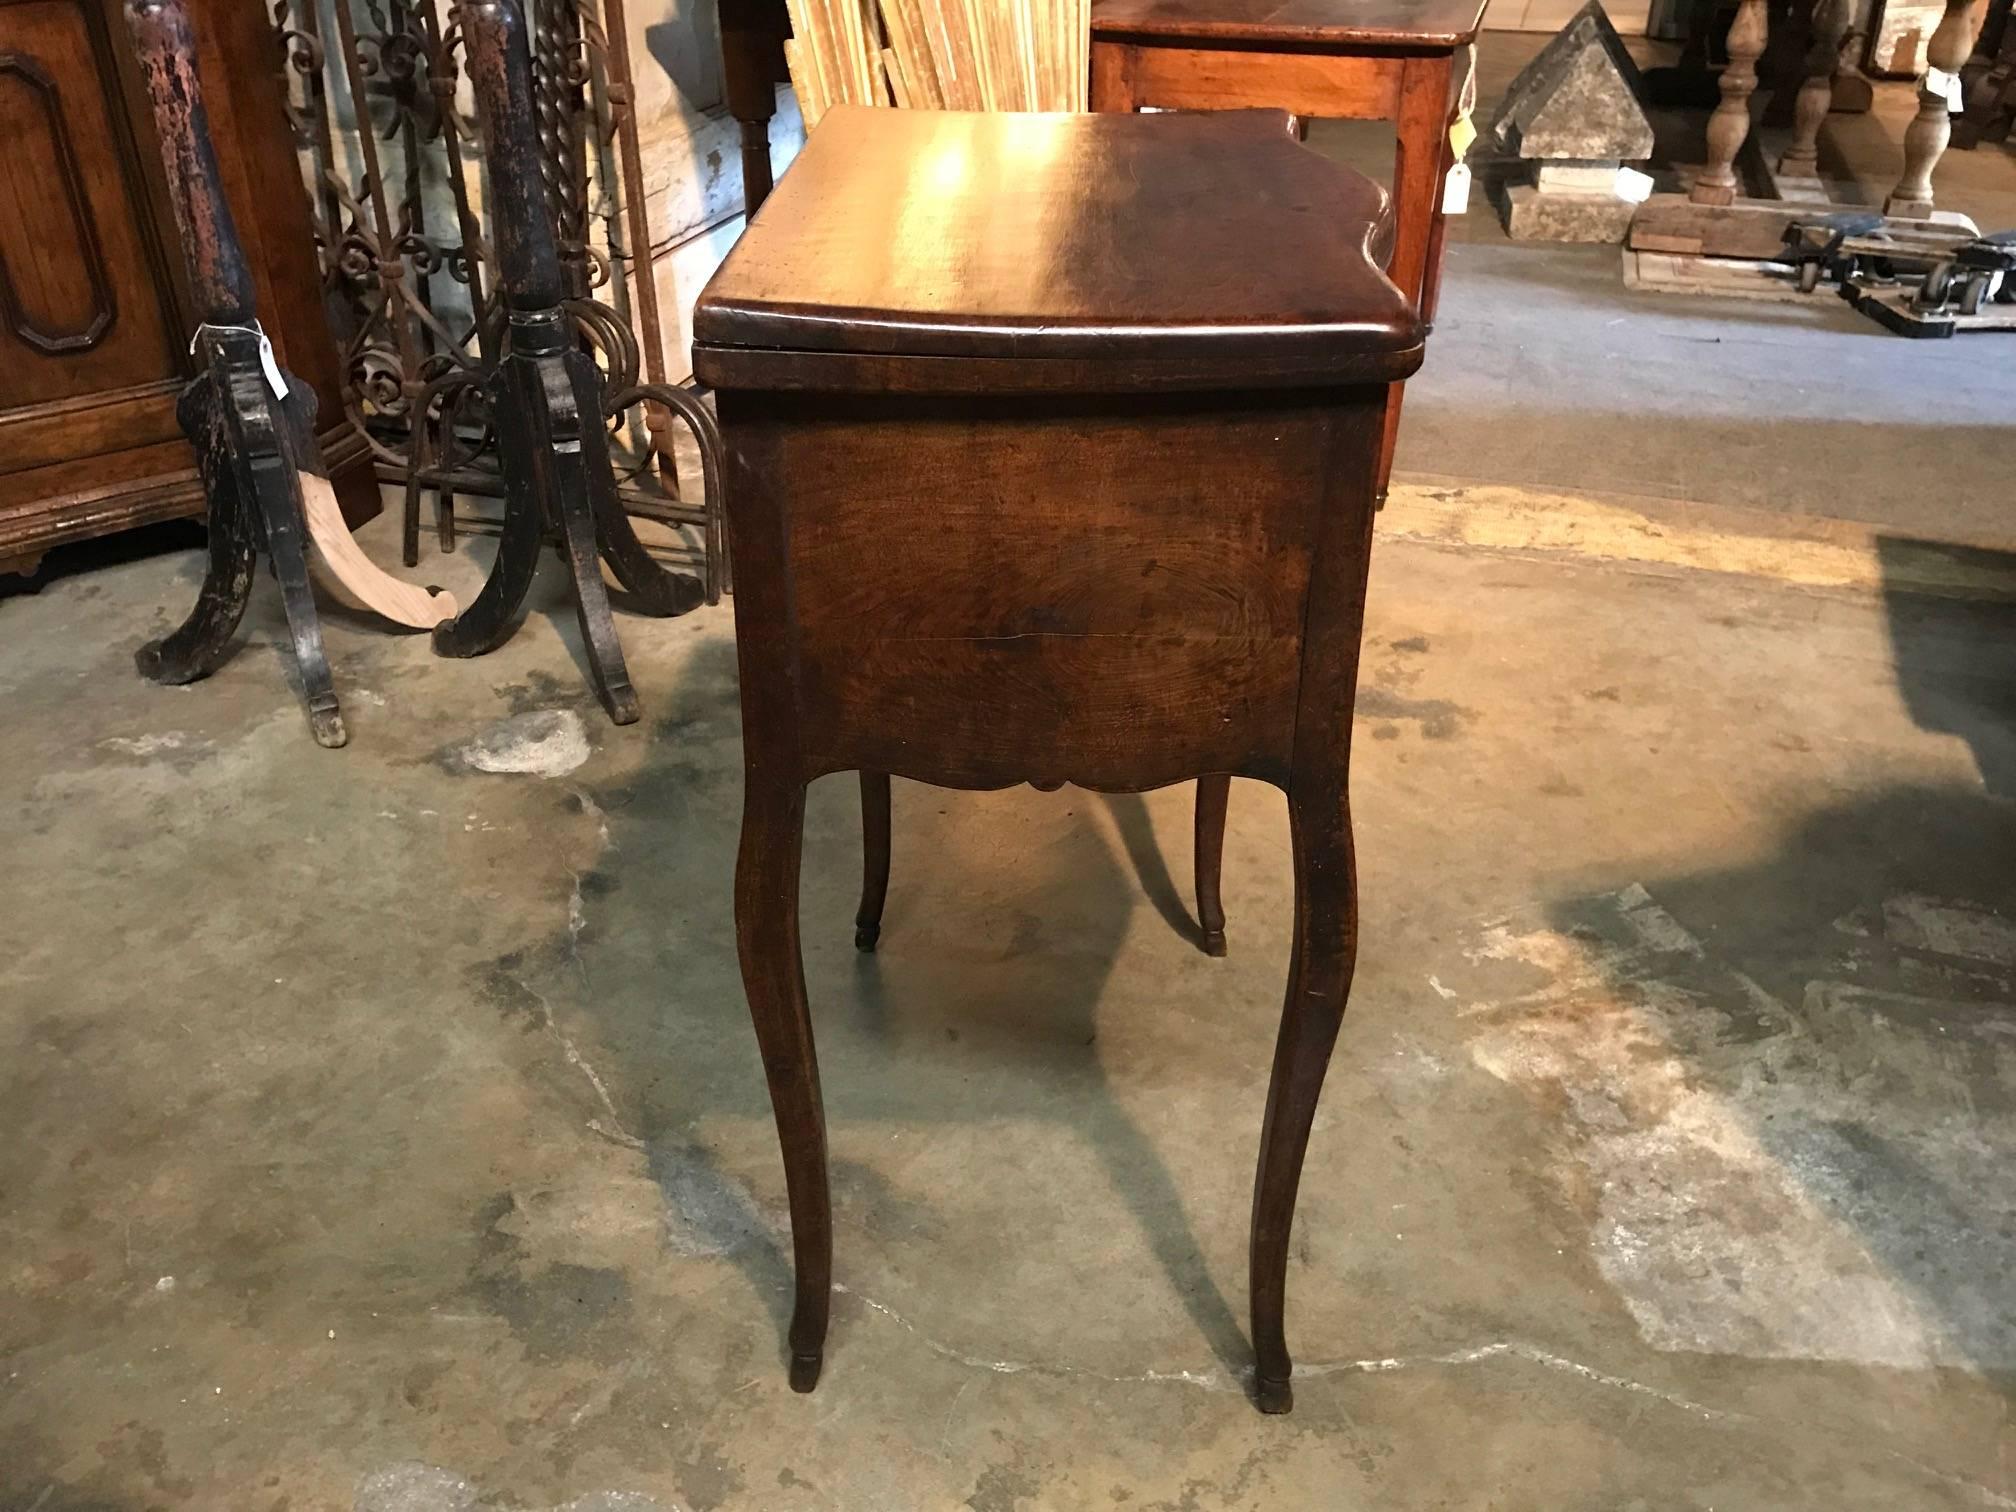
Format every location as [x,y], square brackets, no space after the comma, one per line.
[287,543]
[657,592]
[773,976]
[493,614]
[874,859]
[1209,850]
[409,524]
[199,646]
[606,668]
[1319,979]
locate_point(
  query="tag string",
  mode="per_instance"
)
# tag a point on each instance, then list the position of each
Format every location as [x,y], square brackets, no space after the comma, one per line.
[267,361]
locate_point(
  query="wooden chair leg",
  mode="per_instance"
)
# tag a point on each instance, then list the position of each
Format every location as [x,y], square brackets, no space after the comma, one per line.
[874,859]
[1319,980]
[1209,853]
[773,976]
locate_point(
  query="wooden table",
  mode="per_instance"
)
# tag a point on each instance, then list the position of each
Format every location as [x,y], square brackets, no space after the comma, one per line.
[1359,60]
[1034,474]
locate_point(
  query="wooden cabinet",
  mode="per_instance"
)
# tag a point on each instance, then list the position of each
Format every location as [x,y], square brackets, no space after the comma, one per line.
[94,321]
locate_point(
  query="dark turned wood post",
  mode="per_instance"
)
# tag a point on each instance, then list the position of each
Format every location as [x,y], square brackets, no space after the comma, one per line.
[253,437]
[166,48]
[547,401]
[752,64]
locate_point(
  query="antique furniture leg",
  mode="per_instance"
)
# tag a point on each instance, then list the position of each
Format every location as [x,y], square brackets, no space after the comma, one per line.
[752,61]
[286,528]
[548,407]
[250,429]
[493,614]
[1325,949]
[766,931]
[874,859]
[1319,979]
[1208,851]
[546,400]
[1729,126]
[1926,137]
[1421,156]
[203,641]
[1816,93]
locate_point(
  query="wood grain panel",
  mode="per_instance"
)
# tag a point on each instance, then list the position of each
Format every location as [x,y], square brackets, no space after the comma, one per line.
[1155,584]
[84,305]
[52,286]
[1331,86]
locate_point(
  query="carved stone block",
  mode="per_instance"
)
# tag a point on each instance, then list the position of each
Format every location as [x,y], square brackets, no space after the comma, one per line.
[1578,98]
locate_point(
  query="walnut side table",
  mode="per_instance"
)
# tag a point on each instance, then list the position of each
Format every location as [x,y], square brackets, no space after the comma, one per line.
[1034,474]
[1357,60]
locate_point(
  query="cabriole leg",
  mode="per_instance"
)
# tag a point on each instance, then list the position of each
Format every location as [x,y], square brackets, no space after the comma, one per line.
[773,976]
[1319,979]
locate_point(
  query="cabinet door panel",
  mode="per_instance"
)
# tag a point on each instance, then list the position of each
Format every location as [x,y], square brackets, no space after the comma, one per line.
[82,300]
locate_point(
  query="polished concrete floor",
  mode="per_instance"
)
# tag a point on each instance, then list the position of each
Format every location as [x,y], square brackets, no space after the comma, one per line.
[384,1130]
[384,1133]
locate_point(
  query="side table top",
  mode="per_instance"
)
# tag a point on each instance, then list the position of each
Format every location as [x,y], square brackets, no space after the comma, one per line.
[1393,25]
[1209,239]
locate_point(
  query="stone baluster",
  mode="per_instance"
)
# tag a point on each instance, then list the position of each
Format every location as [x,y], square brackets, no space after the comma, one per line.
[1729,127]
[1926,137]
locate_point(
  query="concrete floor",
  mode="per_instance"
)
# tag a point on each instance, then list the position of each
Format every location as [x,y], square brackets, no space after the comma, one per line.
[1545,370]
[385,1133]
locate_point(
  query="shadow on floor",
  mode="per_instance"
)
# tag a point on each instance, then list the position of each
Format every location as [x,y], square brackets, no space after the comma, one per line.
[1792,1085]
[992,1017]
[1956,660]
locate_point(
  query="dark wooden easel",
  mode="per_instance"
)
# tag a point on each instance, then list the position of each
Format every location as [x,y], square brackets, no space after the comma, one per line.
[546,400]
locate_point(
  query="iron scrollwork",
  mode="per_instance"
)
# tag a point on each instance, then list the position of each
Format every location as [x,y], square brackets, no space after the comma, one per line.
[388,139]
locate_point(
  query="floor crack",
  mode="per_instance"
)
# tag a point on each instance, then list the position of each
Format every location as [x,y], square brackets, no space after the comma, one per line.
[1503,1349]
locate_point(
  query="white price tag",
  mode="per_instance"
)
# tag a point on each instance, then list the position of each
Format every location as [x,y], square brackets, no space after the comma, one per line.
[268,363]
[1456,190]
[1947,86]
[272,366]
[1633,186]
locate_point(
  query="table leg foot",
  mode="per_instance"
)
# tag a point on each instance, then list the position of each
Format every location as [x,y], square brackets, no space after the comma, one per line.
[874,859]
[1319,980]
[1273,1396]
[490,618]
[773,977]
[805,1371]
[1213,792]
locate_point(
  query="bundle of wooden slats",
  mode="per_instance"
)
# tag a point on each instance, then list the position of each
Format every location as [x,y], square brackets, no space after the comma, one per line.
[939,54]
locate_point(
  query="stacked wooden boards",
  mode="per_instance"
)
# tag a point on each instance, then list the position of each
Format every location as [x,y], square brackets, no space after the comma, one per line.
[939,54]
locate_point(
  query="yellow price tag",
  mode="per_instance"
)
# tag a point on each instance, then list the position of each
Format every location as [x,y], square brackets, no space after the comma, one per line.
[1461,135]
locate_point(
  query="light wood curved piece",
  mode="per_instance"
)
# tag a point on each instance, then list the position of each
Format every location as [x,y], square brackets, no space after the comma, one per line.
[357,580]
